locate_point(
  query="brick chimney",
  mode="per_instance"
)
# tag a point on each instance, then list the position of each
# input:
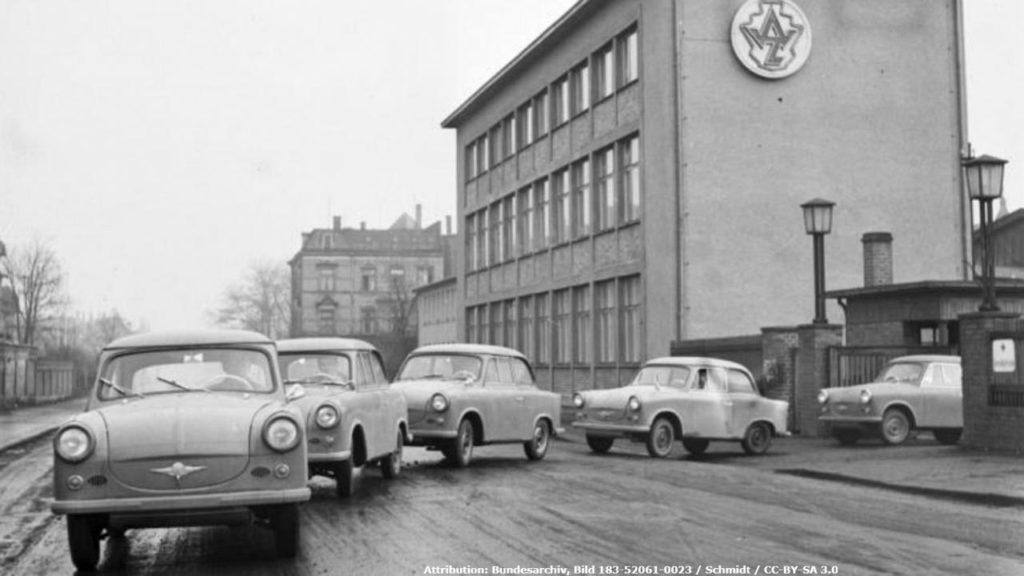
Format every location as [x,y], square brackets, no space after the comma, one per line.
[877,258]
[419,216]
[337,222]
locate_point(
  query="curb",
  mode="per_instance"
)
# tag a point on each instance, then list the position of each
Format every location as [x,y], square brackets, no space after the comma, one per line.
[978,498]
[28,439]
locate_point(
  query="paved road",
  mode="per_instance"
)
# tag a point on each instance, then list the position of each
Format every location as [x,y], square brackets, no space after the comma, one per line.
[572,510]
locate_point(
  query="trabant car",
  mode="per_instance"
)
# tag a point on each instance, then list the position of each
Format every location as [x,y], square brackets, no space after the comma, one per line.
[922,392]
[466,395]
[181,429]
[352,417]
[693,399]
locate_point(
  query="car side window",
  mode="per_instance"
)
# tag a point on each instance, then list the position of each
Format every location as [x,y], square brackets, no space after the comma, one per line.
[491,373]
[521,372]
[710,379]
[378,368]
[952,375]
[740,383]
[504,371]
[365,371]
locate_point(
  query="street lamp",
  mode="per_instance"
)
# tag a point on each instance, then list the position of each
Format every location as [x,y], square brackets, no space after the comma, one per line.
[818,222]
[984,176]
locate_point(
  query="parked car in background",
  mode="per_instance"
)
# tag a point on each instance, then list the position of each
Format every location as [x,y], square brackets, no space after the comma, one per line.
[922,392]
[352,417]
[187,428]
[466,395]
[693,399]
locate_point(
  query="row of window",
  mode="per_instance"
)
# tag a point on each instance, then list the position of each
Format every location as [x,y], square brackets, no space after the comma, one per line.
[327,281]
[615,66]
[326,317]
[591,323]
[593,194]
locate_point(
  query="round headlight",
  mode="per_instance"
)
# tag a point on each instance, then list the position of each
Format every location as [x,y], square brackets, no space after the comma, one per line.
[327,416]
[634,403]
[74,444]
[281,434]
[865,396]
[822,397]
[439,402]
[577,400]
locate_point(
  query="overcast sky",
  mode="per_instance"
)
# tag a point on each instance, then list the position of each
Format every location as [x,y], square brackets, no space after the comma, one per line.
[161,147]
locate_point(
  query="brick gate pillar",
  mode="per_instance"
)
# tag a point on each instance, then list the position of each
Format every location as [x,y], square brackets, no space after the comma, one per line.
[993,400]
[812,373]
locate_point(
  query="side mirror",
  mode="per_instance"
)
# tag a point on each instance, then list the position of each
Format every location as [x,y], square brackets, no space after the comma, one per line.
[293,392]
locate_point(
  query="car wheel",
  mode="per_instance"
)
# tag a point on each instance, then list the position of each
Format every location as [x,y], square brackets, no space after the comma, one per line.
[661,438]
[284,521]
[537,446]
[460,451]
[84,540]
[757,439]
[947,436]
[343,476]
[391,465]
[846,437]
[600,444]
[695,446]
[895,427]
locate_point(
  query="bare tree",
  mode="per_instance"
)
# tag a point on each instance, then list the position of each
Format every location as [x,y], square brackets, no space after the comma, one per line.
[401,306]
[37,283]
[261,302]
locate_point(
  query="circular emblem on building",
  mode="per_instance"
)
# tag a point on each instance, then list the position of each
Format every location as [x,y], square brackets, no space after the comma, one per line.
[772,38]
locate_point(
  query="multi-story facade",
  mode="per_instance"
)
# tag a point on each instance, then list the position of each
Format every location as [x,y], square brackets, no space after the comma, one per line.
[359,281]
[635,175]
[436,312]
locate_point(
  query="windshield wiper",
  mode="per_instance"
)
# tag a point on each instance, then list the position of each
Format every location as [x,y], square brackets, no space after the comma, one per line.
[346,383]
[118,389]
[182,386]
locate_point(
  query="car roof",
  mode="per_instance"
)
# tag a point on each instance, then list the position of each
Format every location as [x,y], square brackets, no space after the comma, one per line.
[690,360]
[322,344]
[469,349]
[188,338]
[928,358]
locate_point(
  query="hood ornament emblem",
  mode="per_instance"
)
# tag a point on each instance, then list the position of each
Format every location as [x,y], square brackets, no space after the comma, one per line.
[178,470]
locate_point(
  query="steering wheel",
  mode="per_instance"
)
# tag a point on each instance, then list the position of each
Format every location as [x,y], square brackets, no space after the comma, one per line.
[464,375]
[228,382]
[323,377]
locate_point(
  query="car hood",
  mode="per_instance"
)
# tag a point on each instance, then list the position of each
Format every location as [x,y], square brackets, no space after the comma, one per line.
[616,398]
[849,393]
[418,392]
[186,440]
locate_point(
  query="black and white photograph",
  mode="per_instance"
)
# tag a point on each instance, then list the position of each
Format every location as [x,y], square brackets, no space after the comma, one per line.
[512,287]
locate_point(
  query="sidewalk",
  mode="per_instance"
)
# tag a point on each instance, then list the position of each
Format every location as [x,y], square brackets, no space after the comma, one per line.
[922,466]
[30,422]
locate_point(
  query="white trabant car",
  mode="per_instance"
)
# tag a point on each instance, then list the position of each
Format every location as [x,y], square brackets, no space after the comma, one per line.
[182,429]
[352,416]
[693,399]
[466,395]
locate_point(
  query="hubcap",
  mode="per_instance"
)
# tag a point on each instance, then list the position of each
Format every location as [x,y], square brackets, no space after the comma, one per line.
[663,438]
[540,437]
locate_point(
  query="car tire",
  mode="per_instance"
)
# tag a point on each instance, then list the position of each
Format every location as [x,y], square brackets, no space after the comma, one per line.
[757,439]
[343,472]
[600,444]
[661,438]
[391,465]
[895,427]
[695,446]
[84,540]
[846,437]
[460,450]
[537,446]
[948,435]
[284,521]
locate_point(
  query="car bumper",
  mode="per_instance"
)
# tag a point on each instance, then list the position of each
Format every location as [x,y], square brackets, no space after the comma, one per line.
[428,436]
[339,456]
[155,505]
[851,420]
[612,429]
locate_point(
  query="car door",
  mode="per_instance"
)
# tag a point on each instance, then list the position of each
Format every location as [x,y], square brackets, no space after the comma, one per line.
[535,401]
[370,408]
[509,402]
[705,409]
[942,397]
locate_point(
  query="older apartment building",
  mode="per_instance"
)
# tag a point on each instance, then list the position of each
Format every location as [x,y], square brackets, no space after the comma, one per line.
[634,176]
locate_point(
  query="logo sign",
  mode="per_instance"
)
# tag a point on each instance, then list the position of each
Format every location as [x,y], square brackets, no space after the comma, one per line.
[178,471]
[772,38]
[1004,355]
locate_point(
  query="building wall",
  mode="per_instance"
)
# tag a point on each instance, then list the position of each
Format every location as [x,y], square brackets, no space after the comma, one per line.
[436,313]
[726,159]
[872,122]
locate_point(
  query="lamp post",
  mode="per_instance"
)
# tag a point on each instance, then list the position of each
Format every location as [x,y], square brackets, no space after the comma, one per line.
[817,223]
[984,177]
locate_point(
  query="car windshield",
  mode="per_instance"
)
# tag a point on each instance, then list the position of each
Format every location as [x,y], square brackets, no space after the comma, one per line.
[906,372]
[182,370]
[427,366]
[675,376]
[315,368]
